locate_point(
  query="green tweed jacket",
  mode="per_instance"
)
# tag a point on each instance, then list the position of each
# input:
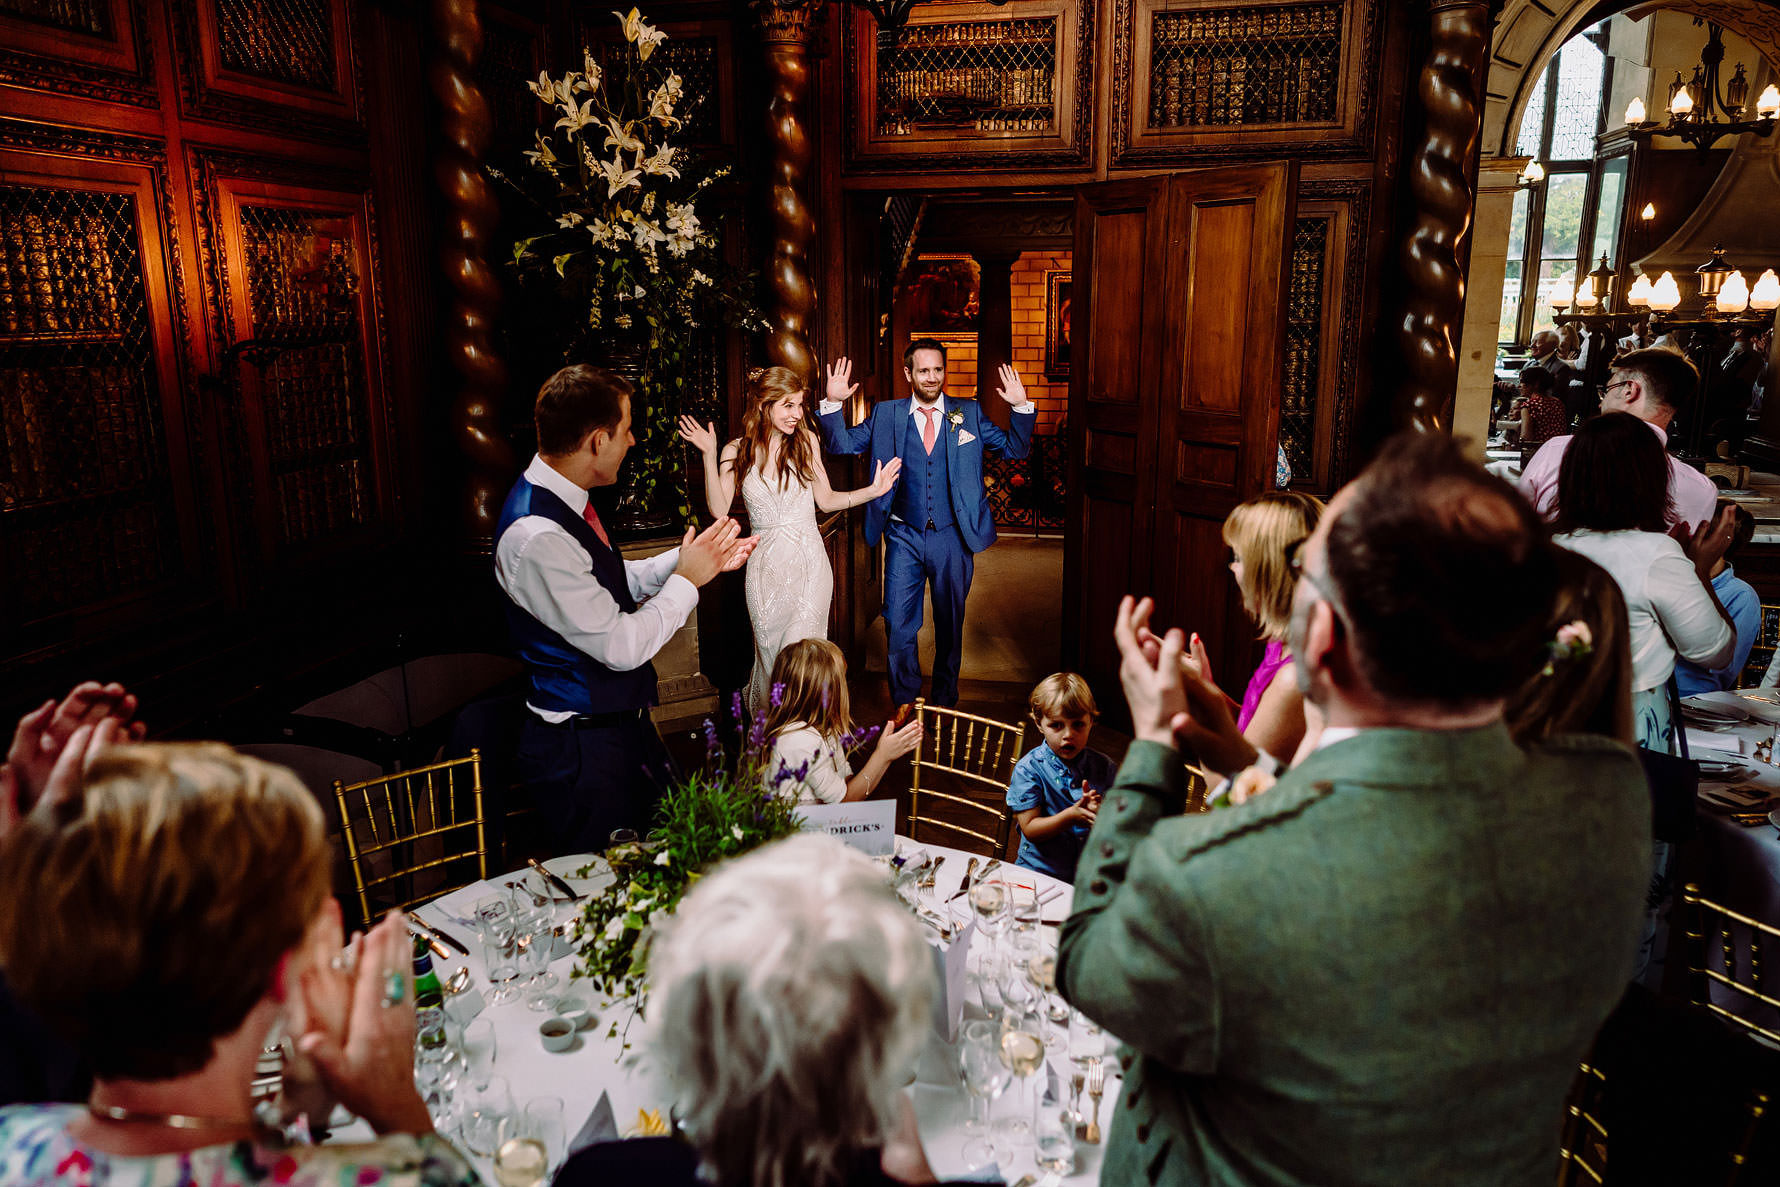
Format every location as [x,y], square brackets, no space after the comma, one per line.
[1382,971]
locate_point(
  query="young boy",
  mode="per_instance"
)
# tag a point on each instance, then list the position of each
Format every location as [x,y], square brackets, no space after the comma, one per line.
[1056,787]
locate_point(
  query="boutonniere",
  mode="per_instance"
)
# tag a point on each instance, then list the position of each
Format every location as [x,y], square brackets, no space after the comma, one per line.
[955,417]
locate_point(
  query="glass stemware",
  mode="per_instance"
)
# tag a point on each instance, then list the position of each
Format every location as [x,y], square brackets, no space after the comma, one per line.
[479,1050]
[1053,1130]
[535,936]
[985,1077]
[989,899]
[497,927]
[543,1123]
[1023,1051]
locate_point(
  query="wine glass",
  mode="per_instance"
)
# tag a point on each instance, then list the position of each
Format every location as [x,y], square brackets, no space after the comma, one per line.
[496,925]
[1023,906]
[985,1077]
[989,899]
[521,1161]
[1023,1051]
[535,935]
[1042,966]
[438,1068]
[543,1124]
[479,1050]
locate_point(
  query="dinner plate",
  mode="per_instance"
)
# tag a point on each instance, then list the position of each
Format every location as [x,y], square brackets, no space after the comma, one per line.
[1723,706]
[1774,818]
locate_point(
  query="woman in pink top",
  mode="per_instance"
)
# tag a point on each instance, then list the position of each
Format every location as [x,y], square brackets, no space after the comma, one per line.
[1261,534]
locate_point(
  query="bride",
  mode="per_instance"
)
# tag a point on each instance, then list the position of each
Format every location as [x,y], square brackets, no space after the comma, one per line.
[789,582]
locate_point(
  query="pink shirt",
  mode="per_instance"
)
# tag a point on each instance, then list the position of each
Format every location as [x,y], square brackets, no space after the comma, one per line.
[1692,494]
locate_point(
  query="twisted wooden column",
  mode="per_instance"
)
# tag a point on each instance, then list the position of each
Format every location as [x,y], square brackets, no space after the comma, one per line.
[471,216]
[785,31]
[1443,183]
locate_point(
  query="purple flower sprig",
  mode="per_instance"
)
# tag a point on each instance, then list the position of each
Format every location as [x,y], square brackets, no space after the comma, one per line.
[860,737]
[778,694]
[713,743]
[735,706]
[757,732]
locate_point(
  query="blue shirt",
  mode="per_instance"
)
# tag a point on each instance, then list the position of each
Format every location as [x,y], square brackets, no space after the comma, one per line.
[1044,781]
[1743,604]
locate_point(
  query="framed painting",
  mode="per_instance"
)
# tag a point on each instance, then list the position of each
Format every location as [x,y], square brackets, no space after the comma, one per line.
[1058,285]
[943,294]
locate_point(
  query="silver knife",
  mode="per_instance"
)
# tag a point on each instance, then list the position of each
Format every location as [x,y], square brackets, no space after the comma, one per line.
[964,886]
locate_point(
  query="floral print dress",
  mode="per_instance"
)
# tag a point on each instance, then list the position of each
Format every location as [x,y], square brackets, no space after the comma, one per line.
[36,1150]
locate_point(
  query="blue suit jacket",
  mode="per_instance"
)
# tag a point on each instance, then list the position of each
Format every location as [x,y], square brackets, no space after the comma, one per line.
[891,424]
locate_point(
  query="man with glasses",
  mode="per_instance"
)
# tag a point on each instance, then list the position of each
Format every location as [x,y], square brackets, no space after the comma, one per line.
[1386,968]
[1651,384]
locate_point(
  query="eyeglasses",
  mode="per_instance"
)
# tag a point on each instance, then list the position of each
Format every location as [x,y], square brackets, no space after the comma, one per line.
[1617,383]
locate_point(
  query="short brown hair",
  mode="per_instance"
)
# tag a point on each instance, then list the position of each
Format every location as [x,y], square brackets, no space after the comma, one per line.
[1062,694]
[1260,532]
[573,403]
[1667,375]
[908,353]
[809,685]
[146,918]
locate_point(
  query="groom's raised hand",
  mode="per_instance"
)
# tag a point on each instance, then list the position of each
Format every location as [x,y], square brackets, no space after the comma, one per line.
[1012,389]
[840,383]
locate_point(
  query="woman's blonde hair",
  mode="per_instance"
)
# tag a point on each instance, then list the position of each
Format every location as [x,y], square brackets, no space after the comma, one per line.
[146,918]
[1259,532]
[810,685]
[793,993]
[797,453]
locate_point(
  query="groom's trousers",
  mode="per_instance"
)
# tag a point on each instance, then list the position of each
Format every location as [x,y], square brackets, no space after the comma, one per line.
[913,559]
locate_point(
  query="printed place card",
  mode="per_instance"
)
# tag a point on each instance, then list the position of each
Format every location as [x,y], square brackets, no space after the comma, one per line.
[867,825]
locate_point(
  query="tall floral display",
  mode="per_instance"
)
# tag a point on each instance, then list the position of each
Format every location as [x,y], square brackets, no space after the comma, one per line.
[631,252]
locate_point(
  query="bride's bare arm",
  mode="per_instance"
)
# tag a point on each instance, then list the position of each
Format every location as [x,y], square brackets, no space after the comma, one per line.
[829,499]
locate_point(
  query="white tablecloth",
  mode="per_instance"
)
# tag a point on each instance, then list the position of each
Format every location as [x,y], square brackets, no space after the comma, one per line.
[599,1063]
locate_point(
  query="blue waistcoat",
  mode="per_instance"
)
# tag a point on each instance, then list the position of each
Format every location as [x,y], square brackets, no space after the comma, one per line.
[563,678]
[924,491]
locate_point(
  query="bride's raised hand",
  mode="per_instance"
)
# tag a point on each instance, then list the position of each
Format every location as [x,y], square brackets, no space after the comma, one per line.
[701,437]
[883,479]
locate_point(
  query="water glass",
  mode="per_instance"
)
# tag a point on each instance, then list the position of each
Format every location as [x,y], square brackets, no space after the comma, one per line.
[1086,1040]
[543,1123]
[1023,906]
[1053,1129]
[535,936]
[496,926]
[985,1077]
[489,1108]
[479,1051]
[989,898]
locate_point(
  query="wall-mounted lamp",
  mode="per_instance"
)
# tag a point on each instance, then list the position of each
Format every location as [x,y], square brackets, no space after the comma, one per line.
[1533,174]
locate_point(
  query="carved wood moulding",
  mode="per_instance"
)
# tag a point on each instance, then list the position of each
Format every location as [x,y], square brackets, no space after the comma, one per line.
[292,62]
[94,49]
[1244,79]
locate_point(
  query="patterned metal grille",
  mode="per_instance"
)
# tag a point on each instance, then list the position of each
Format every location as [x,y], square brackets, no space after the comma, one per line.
[301,273]
[1530,141]
[1032,492]
[85,511]
[77,16]
[694,59]
[996,76]
[285,40]
[1273,65]
[1304,327]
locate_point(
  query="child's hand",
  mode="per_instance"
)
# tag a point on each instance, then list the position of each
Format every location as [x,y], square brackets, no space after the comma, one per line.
[893,743]
[1086,807]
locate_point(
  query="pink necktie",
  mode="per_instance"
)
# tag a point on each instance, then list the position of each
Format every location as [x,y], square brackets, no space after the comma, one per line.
[593,521]
[927,432]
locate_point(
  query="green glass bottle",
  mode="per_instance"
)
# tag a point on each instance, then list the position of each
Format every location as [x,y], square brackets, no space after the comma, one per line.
[429,996]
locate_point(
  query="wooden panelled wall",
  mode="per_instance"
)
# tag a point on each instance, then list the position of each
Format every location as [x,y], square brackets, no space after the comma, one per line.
[215,313]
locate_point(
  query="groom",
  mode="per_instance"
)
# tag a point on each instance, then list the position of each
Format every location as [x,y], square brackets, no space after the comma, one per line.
[938,516]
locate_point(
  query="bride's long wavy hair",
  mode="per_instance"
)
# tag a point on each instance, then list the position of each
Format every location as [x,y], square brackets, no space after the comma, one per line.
[797,454]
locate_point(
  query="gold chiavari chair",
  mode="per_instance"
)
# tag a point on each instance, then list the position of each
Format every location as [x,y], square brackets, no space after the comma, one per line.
[1750,985]
[403,825]
[981,752]
[1762,651]
[1582,1148]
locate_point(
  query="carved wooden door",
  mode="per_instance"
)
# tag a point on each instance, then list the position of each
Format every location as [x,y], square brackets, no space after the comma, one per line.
[1174,411]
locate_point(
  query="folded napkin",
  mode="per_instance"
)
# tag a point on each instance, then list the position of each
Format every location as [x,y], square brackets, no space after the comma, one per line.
[1708,740]
[600,1126]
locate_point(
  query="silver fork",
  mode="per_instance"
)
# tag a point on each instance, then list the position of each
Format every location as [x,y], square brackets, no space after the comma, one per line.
[1096,1087]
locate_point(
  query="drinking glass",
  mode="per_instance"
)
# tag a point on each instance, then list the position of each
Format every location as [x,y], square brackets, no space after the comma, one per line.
[1086,1040]
[479,1050]
[535,936]
[496,926]
[438,1069]
[543,1124]
[521,1162]
[488,1110]
[985,1077]
[1053,1129]
[989,899]
[1042,966]
[1023,906]
[1023,1051]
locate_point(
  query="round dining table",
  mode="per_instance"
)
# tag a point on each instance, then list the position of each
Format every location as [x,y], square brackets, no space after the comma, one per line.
[613,1061]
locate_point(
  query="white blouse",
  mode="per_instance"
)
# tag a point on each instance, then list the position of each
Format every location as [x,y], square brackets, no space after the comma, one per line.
[824,780]
[1667,604]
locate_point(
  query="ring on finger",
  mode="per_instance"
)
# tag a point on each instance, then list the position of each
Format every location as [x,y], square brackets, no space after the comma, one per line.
[395,989]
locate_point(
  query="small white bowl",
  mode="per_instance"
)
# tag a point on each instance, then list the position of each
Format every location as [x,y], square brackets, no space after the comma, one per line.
[556,1033]
[576,1011]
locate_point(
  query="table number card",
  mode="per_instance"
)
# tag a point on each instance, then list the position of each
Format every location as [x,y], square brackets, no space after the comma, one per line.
[867,825]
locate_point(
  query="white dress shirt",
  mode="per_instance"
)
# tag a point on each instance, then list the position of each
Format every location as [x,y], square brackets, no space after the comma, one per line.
[1666,602]
[549,575]
[827,406]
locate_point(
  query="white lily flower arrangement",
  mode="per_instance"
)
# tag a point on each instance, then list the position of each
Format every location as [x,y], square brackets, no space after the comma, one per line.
[621,238]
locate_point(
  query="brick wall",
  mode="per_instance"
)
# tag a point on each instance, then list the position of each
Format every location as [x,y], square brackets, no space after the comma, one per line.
[1028,291]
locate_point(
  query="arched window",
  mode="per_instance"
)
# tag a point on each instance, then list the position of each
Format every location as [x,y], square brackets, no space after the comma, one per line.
[1562,225]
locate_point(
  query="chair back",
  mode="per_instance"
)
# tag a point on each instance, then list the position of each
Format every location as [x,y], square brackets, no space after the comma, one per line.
[414,835]
[1762,652]
[1582,1146]
[1725,948]
[981,753]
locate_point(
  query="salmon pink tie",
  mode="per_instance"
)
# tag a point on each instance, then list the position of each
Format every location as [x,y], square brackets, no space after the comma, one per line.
[593,521]
[927,430]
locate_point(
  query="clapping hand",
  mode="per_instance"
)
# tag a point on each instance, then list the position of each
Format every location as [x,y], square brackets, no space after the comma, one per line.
[1175,694]
[1707,544]
[701,437]
[893,743]
[1012,389]
[55,743]
[840,383]
[720,548]
[1088,805]
[883,479]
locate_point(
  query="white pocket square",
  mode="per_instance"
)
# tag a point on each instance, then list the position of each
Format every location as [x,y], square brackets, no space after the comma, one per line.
[965,436]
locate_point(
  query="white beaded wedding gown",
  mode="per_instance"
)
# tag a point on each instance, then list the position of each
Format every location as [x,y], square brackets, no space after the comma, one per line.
[788,582]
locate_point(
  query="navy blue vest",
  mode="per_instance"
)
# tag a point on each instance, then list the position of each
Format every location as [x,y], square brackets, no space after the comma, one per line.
[924,491]
[565,680]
